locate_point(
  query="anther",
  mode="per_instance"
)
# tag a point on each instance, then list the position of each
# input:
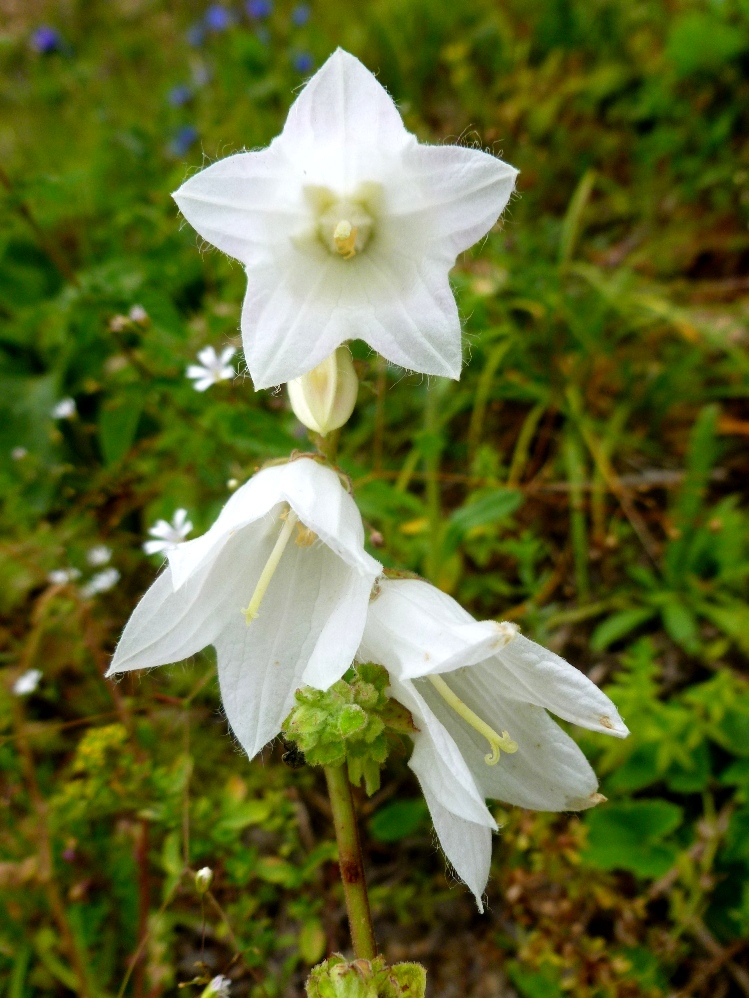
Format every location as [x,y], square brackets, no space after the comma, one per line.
[251,610]
[344,237]
[497,742]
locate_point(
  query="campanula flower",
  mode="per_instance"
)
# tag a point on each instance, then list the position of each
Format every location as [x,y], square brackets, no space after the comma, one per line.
[479,693]
[279,585]
[347,228]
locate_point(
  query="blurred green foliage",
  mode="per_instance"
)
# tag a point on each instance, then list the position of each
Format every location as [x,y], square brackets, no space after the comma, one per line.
[585,477]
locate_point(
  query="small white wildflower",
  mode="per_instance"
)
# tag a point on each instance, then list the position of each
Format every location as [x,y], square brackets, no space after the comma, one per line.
[213,368]
[168,535]
[102,582]
[18,453]
[61,576]
[27,682]
[203,879]
[138,314]
[220,987]
[99,555]
[64,409]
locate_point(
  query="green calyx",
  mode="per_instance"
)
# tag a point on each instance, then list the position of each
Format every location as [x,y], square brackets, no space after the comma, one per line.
[335,978]
[354,722]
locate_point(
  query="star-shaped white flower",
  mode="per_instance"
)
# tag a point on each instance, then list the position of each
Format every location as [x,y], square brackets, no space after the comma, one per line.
[102,582]
[279,585]
[347,228]
[212,369]
[478,692]
[168,535]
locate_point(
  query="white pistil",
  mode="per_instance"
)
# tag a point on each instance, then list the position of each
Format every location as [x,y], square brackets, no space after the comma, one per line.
[344,237]
[251,610]
[497,742]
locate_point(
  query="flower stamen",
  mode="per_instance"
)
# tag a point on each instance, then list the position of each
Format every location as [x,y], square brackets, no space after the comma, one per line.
[496,742]
[344,237]
[251,610]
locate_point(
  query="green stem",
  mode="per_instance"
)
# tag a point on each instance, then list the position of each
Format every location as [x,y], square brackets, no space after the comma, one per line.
[350,861]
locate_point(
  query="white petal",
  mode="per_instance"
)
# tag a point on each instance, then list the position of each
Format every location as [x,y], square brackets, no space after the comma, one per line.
[454,198]
[207,357]
[413,629]
[178,520]
[315,494]
[438,763]
[194,371]
[527,671]
[155,547]
[245,204]
[468,846]
[226,354]
[298,628]
[161,529]
[344,112]
[204,384]
[547,773]
[299,308]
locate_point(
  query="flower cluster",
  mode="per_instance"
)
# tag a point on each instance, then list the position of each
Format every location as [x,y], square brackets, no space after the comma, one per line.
[347,228]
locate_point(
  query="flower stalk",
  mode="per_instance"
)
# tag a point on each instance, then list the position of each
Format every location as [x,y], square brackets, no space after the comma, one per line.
[351,863]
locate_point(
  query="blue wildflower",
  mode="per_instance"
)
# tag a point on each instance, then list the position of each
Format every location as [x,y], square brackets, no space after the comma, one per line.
[186,136]
[258,9]
[180,95]
[300,15]
[303,62]
[217,18]
[195,35]
[45,40]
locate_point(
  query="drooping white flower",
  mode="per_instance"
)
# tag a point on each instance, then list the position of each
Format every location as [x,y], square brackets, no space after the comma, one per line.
[27,682]
[212,369]
[279,585]
[64,409]
[61,576]
[474,686]
[168,535]
[347,228]
[324,398]
[219,987]
[99,555]
[102,582]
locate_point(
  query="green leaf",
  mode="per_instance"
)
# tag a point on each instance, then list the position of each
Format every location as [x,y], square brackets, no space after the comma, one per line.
[618,626]
[534,983]
[628,835]
[680,624]
[484,508]
[312,941]
[398,819]
[699,41]
[118,424]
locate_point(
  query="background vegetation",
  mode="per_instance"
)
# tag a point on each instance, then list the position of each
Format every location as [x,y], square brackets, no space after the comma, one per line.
[585,478]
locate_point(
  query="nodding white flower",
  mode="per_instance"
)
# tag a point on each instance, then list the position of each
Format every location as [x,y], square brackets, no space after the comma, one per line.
[279,585]
[347,228]
[219,987]
[478,692]
[99,555]
[27,682]
[61,576]
[64,409]
[324,398]
[168,535]
[212,369]
[102,582]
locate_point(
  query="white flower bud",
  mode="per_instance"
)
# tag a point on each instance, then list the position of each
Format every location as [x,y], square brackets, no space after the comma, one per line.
[203,879]
[324,398]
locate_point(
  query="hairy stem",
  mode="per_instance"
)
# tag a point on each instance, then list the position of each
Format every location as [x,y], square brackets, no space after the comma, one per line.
[350,861]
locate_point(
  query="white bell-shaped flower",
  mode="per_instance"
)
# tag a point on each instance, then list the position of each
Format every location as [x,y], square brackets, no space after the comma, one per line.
[324,398]
[347,228]
[279,585]
[478,692]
